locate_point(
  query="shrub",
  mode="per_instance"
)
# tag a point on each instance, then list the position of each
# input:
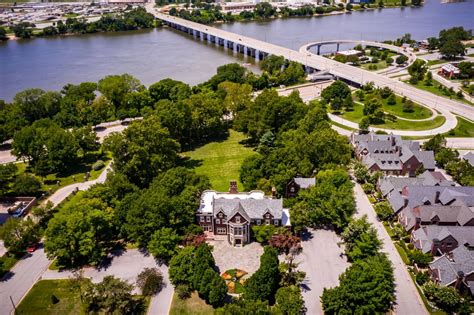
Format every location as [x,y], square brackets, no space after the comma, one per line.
[98,165]
[54,299]
[368,188]
[390,60]
[183,291]
[383,210]
[150,281]
[422,277]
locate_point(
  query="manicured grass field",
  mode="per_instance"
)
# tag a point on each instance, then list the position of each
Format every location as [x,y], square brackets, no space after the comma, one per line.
[220,160]
[192,306]
[464,128]
[357,114]
[38,300]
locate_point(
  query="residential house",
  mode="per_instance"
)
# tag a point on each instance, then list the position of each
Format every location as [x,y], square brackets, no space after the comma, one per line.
[452,215]
[298,183]
[449,70]
[455,269]
[233,213]
[388,184]
[391,154]
[413,196]
[436,240]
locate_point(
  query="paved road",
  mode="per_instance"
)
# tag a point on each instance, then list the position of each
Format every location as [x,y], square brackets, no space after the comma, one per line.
[21,278]
[408,300]
[322,262]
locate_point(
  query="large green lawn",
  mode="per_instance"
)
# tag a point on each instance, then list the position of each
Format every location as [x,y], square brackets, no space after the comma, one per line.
[220,160]
[38,299]
[435,89]
[357,114]
[192,306]
[464,128]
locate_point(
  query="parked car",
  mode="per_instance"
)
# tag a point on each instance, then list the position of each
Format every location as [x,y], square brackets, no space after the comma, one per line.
[32,247]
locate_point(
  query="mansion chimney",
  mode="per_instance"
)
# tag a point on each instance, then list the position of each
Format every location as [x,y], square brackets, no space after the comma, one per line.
[274,192]
[233,187]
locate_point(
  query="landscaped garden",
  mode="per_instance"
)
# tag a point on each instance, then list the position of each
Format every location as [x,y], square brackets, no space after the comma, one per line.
[234,279]
[220,160]
[440,90]
[464,128]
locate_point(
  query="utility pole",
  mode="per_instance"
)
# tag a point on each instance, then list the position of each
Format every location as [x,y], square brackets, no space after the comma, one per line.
[14,307]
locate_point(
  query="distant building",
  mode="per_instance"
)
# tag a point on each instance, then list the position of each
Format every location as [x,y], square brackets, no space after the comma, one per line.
[455,269]
[449,71]
[237,7]
[233,213]
[350,52]
[298,183]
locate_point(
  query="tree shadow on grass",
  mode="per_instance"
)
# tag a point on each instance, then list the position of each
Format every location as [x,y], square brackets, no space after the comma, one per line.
[191,163]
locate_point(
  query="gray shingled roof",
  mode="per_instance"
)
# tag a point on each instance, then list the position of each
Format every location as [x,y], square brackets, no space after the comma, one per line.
[254,208]
[447,214]
[461,259]
[305,183]
[469,157]
[424,236]
[396,201]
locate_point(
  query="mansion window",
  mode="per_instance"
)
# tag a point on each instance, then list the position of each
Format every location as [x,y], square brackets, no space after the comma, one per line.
[201,219]
[237,219]
[238,231]
[208,219]
[259,222]
[221,230]
[292,189]
[207,228]
[267,221]
[275,222]
[218,221]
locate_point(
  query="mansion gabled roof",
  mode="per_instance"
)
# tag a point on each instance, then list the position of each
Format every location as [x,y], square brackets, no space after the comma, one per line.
[448,266]
[249,208]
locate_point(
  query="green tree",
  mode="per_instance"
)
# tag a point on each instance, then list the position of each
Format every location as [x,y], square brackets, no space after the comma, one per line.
[446,155]
[115,87]
[26,185]
[232,72]
[23,30]
[446,298]
[417,70]
[143,150]
[338,89]
[401,59]
[384,210]
[273,64]
[366,287]
[7,176]
[435,144]
[289,300]
[150,281]
[164,243]
[329,202]
[391,100]
[263,284]
[80,234]
[169,89]
[452,48]
[17,234]
[46,146]
[360,239]
[86,138]
[170,201]
[263,233]
[111,296]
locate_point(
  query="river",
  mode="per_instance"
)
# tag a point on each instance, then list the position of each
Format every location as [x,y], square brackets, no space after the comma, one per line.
[50,63]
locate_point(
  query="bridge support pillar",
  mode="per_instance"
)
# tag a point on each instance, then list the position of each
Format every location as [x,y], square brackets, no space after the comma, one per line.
[225,43]
[337,47]
[245,50]
[257,54]
[319,50]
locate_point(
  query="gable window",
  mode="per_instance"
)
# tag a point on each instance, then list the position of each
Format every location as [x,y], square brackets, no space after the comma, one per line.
[237,219]
[292,189]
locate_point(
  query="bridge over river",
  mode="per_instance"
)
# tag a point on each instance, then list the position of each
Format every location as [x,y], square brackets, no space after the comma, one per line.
[260,49]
